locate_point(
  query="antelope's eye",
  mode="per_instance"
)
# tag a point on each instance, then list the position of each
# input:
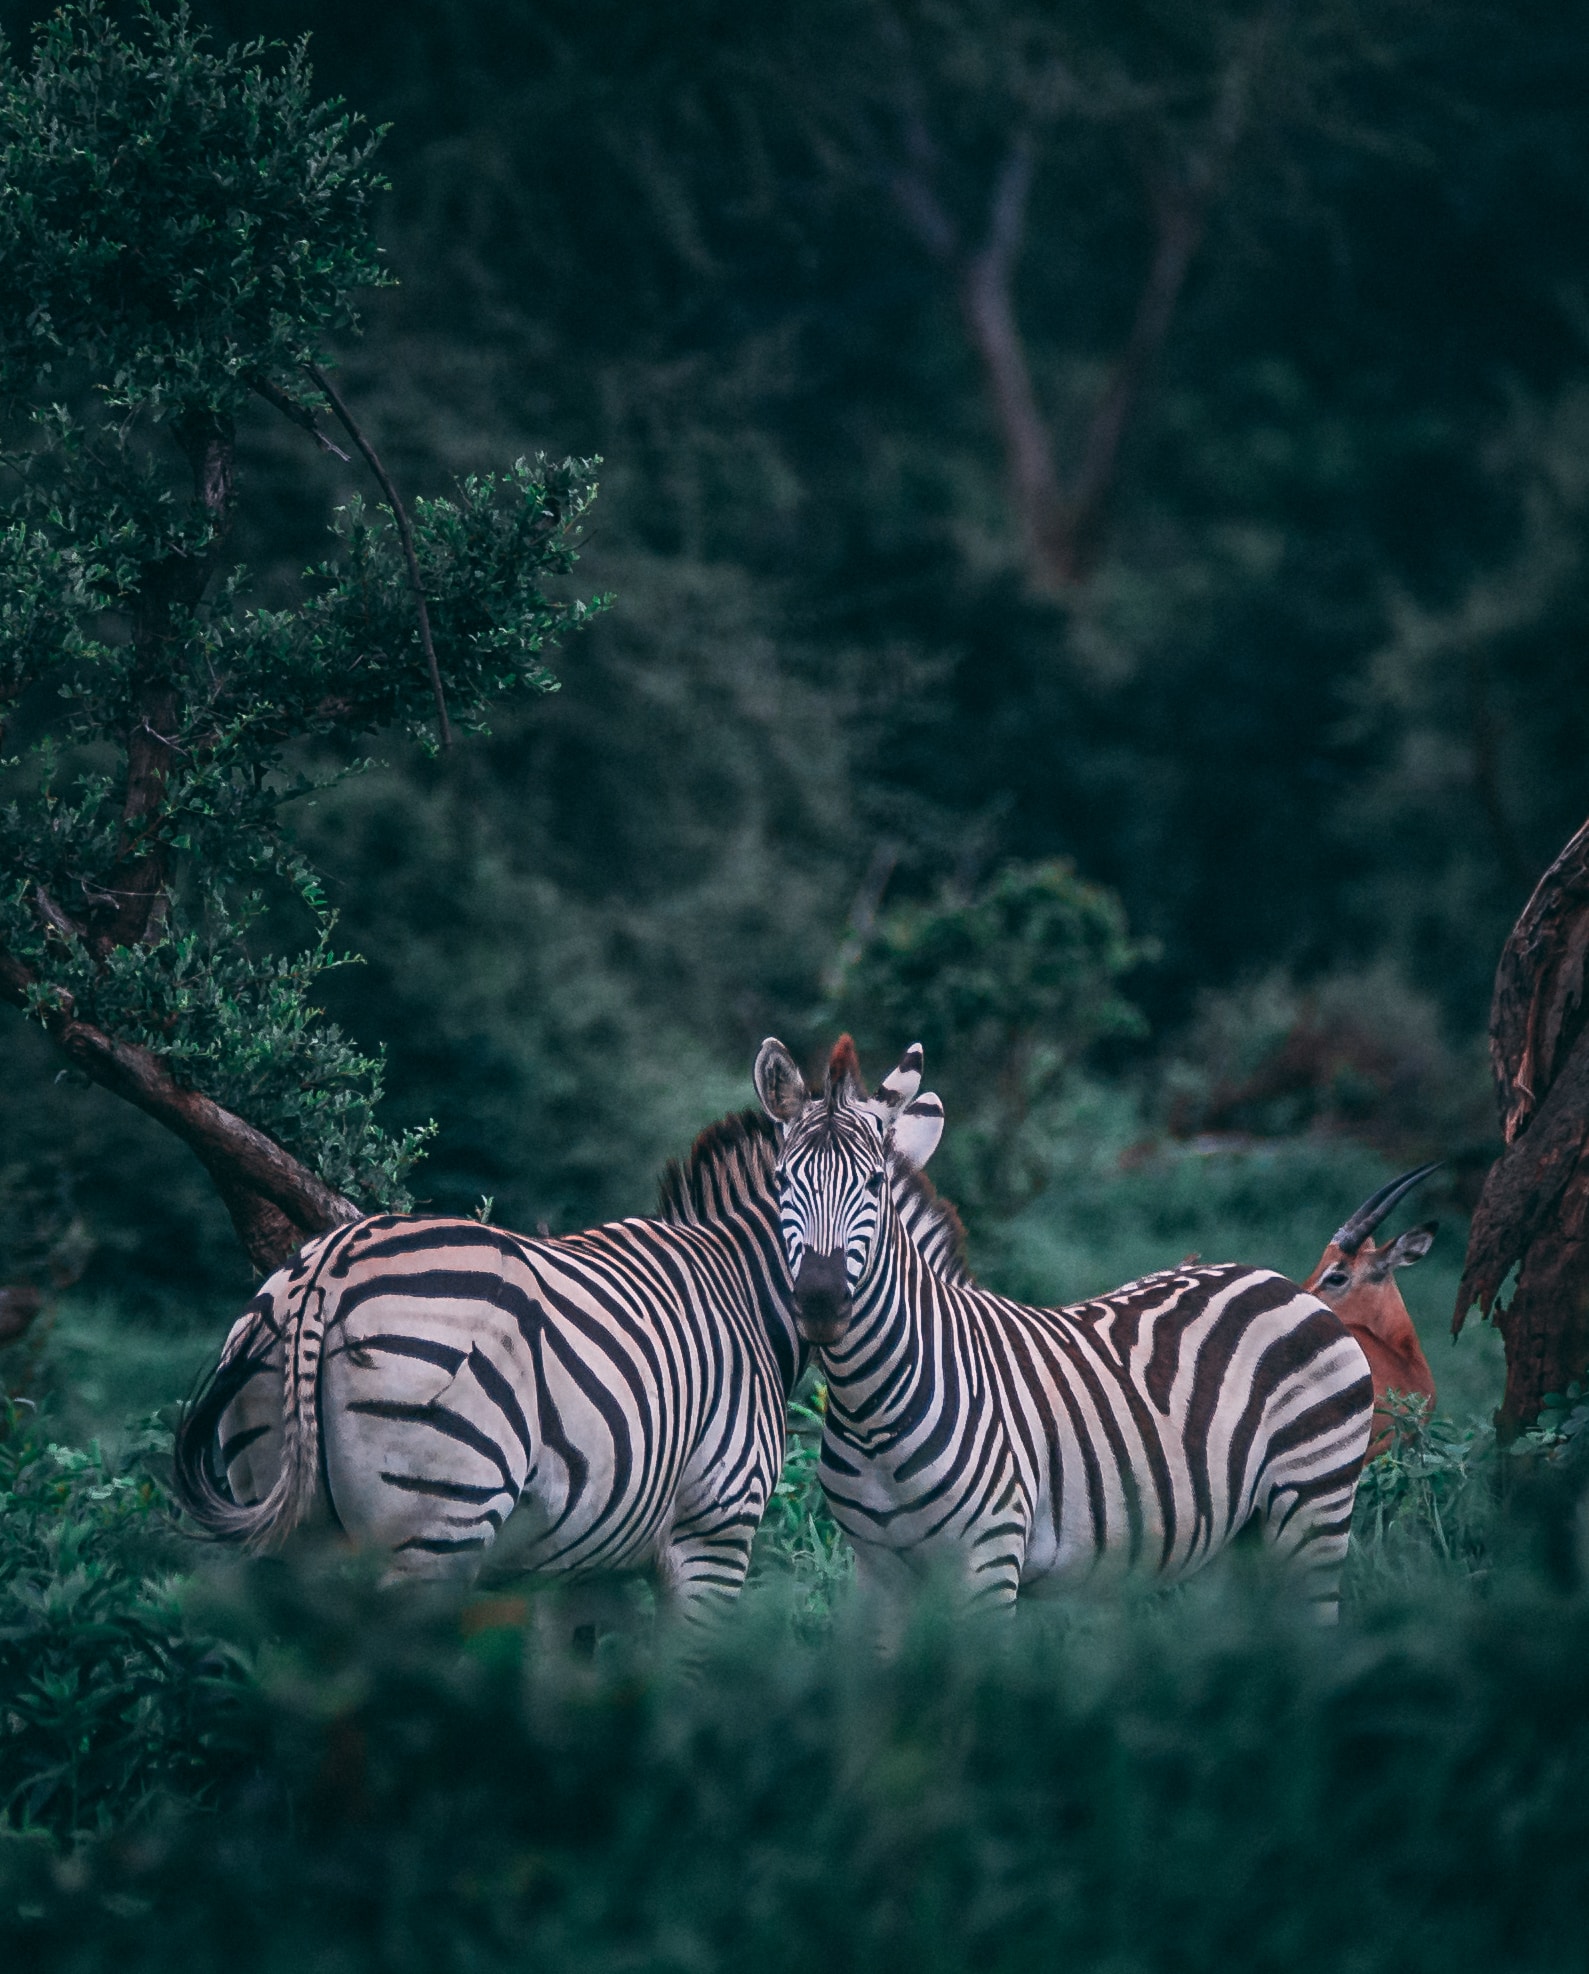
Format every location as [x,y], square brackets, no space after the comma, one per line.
[875,1183]
[1336,1279]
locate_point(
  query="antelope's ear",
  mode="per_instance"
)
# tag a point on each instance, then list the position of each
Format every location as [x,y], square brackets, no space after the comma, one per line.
[1412,1246]
[902,1081]
[779,1084]
[917,1130]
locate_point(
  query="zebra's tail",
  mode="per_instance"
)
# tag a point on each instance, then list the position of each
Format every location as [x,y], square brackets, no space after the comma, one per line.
[285,1318]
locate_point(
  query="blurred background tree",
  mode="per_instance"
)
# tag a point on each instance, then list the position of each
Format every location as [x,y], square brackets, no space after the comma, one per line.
[1306,698]
[1005,988]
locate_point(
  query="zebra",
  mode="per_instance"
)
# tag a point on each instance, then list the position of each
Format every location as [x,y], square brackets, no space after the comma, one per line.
[620,1393]
[1020,1446]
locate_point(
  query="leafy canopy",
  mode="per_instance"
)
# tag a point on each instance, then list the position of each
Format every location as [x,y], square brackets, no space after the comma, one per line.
[181,230]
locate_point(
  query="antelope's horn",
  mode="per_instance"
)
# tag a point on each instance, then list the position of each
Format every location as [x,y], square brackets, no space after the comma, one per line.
[1351,1236]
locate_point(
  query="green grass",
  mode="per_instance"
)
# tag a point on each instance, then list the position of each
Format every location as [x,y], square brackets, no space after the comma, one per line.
[218,1764]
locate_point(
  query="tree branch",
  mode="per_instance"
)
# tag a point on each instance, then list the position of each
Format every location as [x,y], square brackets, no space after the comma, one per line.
[275,1201]
[300,414]
[1062,524]
[1181,207]
[405,534]
[987,303]
[171,586]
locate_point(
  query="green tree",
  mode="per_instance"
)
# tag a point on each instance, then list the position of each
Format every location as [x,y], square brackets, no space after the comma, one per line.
[182,232]
[1004,988]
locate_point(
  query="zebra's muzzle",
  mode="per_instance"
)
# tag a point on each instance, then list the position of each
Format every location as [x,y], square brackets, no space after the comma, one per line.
[822,1298]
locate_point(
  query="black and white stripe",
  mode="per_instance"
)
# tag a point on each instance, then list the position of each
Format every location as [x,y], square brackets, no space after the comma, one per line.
[618,1393]
[1023,1446]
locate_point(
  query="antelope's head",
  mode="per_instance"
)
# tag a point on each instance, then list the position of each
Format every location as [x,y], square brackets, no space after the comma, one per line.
[1358,1281]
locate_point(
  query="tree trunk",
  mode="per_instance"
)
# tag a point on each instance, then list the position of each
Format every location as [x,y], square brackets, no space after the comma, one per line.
[1534,1211]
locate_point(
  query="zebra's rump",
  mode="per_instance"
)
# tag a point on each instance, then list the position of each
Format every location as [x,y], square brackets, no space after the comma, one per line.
[601,1388]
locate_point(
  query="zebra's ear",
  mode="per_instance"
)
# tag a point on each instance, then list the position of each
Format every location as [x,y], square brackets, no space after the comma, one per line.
[902,1081]
[917,1130]
[779,1084]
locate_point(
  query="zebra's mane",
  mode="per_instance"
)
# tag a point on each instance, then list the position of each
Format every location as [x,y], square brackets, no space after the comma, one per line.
[933,1224]
[733,1159]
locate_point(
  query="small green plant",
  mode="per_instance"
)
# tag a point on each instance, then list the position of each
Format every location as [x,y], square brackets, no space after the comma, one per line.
[798,1538]
[1429,1496]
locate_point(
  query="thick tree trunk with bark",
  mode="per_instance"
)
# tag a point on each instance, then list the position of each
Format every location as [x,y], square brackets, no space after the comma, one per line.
[1534,1211]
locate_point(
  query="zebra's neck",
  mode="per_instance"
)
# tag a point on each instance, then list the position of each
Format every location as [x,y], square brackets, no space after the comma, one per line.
[873,1372]
[727,1183]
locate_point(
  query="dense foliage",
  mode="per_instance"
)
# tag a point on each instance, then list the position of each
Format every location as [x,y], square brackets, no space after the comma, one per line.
[1313,718]
[1005,988]
[284,1765]
[181,230]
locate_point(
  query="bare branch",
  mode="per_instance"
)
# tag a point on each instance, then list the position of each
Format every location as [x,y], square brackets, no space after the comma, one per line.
[54,917]
[300,414]
[1181,203]
[988,304]
[924,212]
[1062,523]
[405,535]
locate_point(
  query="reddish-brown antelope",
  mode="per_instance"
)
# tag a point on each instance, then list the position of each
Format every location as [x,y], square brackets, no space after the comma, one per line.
[1358,1281]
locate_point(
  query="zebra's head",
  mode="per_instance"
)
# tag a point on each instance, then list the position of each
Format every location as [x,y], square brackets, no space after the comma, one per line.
[839,1149]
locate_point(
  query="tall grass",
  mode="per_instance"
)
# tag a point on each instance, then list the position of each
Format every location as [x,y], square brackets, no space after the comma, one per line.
[208,1763]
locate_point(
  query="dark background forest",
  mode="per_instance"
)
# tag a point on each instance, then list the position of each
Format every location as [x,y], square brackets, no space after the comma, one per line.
[1295,669]
[1092,501]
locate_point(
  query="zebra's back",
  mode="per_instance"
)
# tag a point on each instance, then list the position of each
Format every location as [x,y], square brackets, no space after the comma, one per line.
[1142,1428]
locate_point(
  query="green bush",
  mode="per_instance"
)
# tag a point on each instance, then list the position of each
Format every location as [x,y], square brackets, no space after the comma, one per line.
[1005,988]
[1190,1782]
[108,1702]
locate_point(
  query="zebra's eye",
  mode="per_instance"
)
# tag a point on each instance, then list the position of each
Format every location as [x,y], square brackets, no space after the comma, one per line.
[875,1183]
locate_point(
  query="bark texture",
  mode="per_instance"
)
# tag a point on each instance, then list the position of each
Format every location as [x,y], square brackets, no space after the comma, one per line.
[275,1201]
[1534,1211]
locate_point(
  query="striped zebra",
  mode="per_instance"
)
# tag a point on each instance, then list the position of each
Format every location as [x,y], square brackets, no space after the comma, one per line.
[620,1393]
[1022,1446]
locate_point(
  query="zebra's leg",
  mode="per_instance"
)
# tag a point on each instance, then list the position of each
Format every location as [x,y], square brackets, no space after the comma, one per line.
[1307,1525]
[984,1577]
[700,1571]
[572,1614]
[889,1586]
